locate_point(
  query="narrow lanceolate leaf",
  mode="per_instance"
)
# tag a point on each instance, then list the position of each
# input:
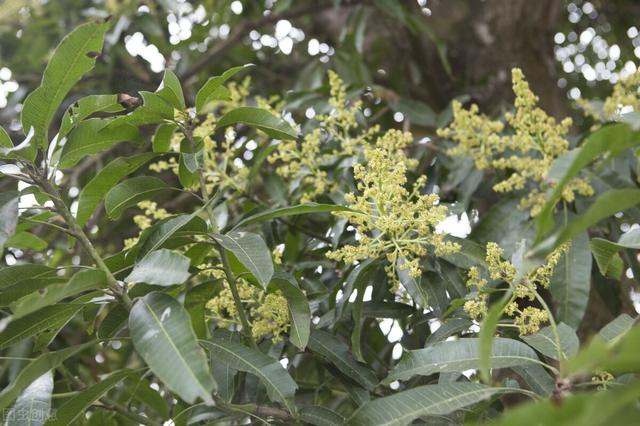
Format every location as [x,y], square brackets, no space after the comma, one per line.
[613,138]
[75,407]
[35,369]
[299,311]
[307,208]
[46,318]
[81,281]
[606,205]
[545,341]
[91,137]
[20,280]
[94,192]
[457,356]
[260,119]
[130,192]
[250,250]
[75,55]
[8,215]
[280,386]
[429,400]
[161,332]
[320,416]
[337,353]
[213,89]
[413,286]
[606,252]
[161,267]
[616,328]
[571,282]
[33,405]
[163,232]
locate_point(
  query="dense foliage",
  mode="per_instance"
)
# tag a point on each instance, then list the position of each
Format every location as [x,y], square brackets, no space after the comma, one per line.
[240,258]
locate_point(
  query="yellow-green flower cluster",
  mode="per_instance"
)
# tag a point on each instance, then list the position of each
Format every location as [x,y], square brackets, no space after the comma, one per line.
[268,312]
[526,153]
[151,212]
[603,378]
[335,135]
[390,220]
[624,97]
[219,170]
[529,319]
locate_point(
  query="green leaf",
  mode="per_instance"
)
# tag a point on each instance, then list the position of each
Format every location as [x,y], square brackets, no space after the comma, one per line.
[537,378]
[8,215]
[395,310]
[280,386]
[92,136]
[606,205]
[5,140]
[307,208]
[251,250]
[161,267]
[320,416]
[299,311]
[616,328]
[95,191]
[544,341]
[154,110]
[75,407]
[429,400]
[457,356]
[571,282]
[614,407]
[161,332]
[33,405]
[130,192]
[162,137]
[606,252]
[260,119]
[81,281]
[613,138]
[27,241]
[36,368]
[449,328]
[19,280]
[171,91]
[86,107]
[75,55]
[415,111]
[36,322]
[213,89]
[414,287]
[337,353]
[160,234]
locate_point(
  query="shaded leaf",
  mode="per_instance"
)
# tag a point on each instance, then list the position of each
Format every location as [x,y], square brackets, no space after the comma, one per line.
[97,188]
[280,386]
[75,407]
[36,322]
[307,208]
[320,416]
[8,215]
[130,192]
[337,353]
[299,311]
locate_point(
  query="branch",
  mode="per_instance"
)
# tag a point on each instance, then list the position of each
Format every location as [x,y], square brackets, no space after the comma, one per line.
[243,29]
